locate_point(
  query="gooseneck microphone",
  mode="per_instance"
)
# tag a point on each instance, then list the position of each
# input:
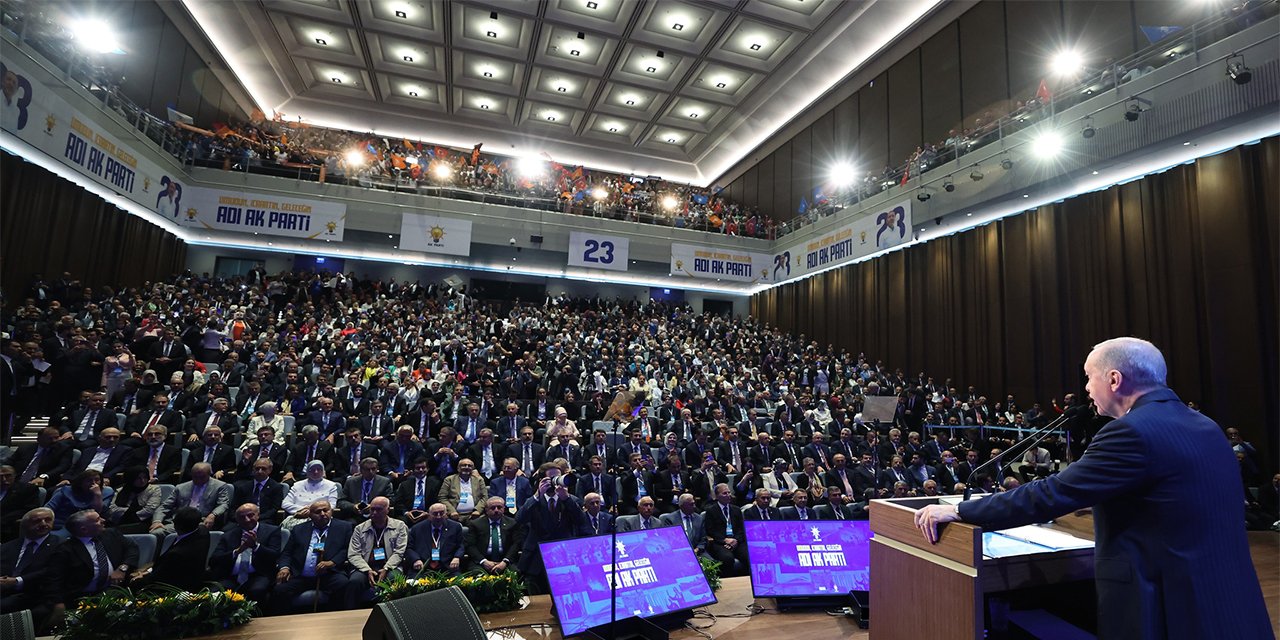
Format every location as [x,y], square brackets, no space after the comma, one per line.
[1040,433]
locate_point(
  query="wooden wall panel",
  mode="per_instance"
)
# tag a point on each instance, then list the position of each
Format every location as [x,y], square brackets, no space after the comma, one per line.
[1189,259]
[940,85]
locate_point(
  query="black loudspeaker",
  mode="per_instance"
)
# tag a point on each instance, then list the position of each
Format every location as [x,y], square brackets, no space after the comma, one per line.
[535,239]
[438,614]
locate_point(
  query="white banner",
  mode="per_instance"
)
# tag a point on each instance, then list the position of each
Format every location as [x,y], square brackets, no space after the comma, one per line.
[598,251]
[864,236]
[229,210]
[42,119]
[434,234]
[711,263]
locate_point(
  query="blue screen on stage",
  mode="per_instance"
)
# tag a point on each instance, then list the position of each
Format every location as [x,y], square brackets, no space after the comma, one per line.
[794,558]
[657,574]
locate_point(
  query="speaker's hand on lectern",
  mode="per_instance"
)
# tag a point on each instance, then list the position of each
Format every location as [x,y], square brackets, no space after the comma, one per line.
[928,519]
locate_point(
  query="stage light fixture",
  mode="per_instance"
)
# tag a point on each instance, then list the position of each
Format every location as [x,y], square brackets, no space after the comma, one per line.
[1067,62]
[948,185]
[1087,131]
[923,196]
[1237,71]
[975,175]
[1006,164]
[1047,145]
[841,175]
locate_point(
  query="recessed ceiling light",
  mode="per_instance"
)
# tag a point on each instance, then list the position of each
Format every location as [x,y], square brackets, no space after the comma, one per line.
[562,89]
[575,52]
[484,105]
[720,85]
[488,74]
[693,114]
[631,103]
[408,58]
[1095,173]
[613,129]
[413,93]
[755,46]
[551,118]
[401,14]
[336,80]
[678,27]
[592,5]
[491,34]
[671,140]
[322,42]
[651,69]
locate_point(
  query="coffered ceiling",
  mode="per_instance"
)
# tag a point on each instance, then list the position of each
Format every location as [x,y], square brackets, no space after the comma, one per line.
[677,88]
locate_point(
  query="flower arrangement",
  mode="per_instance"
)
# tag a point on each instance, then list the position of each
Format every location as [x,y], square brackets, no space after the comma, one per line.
[710,569]
[486,592]
[158,612]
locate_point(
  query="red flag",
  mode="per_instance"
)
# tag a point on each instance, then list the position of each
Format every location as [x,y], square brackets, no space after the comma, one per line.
[1042,94]
[475,154]
[906,174]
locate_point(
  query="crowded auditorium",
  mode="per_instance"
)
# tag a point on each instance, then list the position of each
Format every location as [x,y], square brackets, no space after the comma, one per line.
[640,319]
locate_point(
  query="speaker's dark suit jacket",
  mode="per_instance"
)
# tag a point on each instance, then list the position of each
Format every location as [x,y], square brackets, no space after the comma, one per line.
[1171,557]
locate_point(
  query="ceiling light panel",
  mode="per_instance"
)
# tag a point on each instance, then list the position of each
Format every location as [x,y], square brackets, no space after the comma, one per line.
[607,16]
[327,76]
[750,42]
[642,64]
[562,88]
[416,19]
[802,14]
[316,39]
[677,25]
[412,93]
[483,104]
[487,73]
[399,55]
[562,47]
[721,83]
[695,114]
[539,114]
[474,29]
[630,101]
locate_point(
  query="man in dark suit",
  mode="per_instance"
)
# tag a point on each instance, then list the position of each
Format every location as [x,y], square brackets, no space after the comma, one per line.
[897,472]
[528,454]
[698,450]
[314,556]
[45,462]
[425,419]
[108,456]
[85,423]
[1171,558]
[818,450]
[16,499]
[468,426]
[513,488]
[378,427]
[359,491]
[761,510]
[733,454]
[669,484]
[416,492]
[266,448]
[687,517]
[635,445]
[310,447]
[759,454]
[494,541]
[345,460]
[167,355]
[399,453]
[25,565]
[566,448]
[595,520]
[219,415]
[596,480]
[246,557]
[163,461]
[947,472]
[329,419]
[551,514]
[599,447]
[487,454]
[248,401]
[182,564]
[800,509]
[508,427]
[436,544]
[158,413]
[262,491]
[210,449]
[637,482]
[93,559]
[723,521]
[838,507]
[703,481]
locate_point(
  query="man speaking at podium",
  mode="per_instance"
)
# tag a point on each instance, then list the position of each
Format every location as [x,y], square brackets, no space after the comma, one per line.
[1171,557]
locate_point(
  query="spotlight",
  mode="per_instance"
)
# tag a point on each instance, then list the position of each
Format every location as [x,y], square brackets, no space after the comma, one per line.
[1087,131]
[599,193]
[924,195]
[975,175]
[1006,164]
[670,202]
[1067,63]
[1047,145]
[842,175]
[1132,112]
[948,185]
[1236,70]
[530,167]
[441,171]
[354,158]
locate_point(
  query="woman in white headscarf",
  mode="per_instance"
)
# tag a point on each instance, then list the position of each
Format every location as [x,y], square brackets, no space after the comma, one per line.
[267,417]
[822,414]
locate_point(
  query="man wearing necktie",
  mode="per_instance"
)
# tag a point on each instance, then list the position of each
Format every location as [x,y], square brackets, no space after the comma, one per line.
[437,543]
[725,530]
[417,492]
[25,564]
[800,507]
[512,423]
[494,539]
[314,555]
[245,559]
[688,518]
[91,560]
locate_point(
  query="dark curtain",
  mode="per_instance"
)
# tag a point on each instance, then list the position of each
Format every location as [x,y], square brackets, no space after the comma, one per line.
[50,225]
[1186,258]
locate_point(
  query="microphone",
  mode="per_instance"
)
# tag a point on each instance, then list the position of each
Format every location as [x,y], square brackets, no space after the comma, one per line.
[1040,433]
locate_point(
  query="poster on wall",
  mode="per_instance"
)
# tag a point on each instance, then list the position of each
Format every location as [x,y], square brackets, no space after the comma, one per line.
[598,251]
[435,234]
[715,263]
[245,212]
[884,229]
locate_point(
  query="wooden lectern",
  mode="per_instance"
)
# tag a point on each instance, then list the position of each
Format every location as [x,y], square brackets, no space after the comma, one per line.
[943,585]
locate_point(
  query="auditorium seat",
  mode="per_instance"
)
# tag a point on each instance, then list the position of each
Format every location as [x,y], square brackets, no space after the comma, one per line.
[17,626]
[120,420]
[146,544]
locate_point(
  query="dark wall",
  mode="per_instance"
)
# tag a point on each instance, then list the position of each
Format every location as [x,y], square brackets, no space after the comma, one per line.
[51,225]
[162,70]
[1189,259]
[976,67]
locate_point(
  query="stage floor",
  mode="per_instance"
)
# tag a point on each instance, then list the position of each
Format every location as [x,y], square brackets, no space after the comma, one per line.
[734,599]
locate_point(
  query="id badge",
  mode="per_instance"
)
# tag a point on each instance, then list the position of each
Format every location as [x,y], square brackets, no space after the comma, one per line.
[728,529]
[417,502]
[511,502]
[317,548]
[435,555]
[380,554]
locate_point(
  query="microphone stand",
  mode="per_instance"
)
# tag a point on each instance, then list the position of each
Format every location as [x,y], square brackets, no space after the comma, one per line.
[1040,433]
[1009,465]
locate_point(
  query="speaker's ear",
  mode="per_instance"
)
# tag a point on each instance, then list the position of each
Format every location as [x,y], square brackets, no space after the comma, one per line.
[439,614]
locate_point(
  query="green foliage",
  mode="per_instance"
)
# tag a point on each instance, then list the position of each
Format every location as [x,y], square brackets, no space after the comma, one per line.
[486,592]
[158,612]
[710,569]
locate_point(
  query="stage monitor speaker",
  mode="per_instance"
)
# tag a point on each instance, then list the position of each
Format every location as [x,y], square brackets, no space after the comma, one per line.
[438,614]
